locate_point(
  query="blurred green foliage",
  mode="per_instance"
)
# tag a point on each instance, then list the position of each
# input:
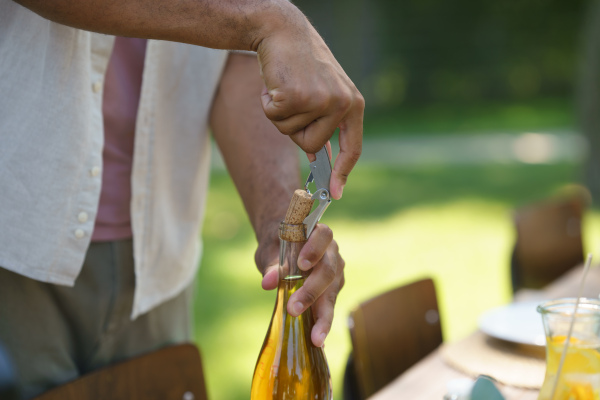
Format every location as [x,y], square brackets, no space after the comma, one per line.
[463,51]
[544,115]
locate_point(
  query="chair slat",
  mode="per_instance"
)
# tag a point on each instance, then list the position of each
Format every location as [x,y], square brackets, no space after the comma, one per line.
[393,331]
[172,373]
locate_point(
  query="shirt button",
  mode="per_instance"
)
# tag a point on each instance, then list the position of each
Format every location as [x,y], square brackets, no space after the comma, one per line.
[79,233]
[82,217]
[95,171]
[97,86]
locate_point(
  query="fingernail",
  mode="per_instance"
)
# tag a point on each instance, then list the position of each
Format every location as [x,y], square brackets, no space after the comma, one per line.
[305,265]
[322,338]
[297,308]
[339,192]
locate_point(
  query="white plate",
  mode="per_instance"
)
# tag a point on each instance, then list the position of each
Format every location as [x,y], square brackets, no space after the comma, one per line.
[516,322]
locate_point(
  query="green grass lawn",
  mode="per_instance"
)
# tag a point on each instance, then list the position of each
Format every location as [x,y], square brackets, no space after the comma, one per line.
[393,226]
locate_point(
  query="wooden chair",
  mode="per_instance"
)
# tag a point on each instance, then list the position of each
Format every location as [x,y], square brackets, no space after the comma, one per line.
[173,373]
[389,334]
[548,241]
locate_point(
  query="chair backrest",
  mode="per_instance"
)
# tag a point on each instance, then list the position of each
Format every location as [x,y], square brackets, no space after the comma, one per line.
[392,332]
[173,373]
[548,243]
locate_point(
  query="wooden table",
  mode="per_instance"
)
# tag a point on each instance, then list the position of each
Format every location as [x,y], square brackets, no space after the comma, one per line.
[428,379]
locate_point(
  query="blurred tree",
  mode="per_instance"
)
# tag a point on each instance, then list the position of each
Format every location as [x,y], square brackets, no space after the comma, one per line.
[350,28]
[589,97]
[463,51]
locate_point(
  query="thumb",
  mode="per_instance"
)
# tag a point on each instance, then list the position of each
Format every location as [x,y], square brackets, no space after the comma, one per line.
[271,277]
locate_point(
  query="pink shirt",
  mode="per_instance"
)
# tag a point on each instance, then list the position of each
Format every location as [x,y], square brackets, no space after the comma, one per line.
[122,87]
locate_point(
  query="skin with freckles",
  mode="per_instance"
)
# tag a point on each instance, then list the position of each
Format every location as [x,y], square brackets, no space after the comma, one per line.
[265,169]
[305,92]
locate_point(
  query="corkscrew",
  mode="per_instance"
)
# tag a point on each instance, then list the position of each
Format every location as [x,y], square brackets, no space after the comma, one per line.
[320,175]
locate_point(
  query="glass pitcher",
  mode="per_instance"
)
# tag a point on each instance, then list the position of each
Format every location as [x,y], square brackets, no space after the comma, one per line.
[580,374]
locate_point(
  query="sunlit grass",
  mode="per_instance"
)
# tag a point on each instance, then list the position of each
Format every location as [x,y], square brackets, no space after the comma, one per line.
[591,235]
[393,226]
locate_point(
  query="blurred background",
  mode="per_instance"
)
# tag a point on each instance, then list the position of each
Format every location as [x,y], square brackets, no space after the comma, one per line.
[474,109]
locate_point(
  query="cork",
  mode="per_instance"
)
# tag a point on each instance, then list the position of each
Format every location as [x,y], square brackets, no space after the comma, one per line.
[292,233]
[299,207]
[292,228]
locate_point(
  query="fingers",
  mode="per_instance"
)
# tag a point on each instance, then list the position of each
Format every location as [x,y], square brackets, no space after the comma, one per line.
[286,101]
[271,277]
[312,157]
[309,125]
[319,252]
[315,135]
[315,285]
[315,248]
[351,133]
[324,306]
[323,313]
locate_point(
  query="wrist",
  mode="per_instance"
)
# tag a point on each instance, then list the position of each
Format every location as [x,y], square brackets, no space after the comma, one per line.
[268,233]
[268,247]
[275,18]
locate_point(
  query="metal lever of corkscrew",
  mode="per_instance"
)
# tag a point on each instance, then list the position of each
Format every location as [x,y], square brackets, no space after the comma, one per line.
[320,174]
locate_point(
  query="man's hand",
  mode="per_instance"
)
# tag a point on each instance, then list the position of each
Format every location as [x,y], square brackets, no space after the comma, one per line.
[307,94]
[320,289]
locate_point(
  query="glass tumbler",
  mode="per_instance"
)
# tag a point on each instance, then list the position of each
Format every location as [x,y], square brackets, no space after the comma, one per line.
[580,374]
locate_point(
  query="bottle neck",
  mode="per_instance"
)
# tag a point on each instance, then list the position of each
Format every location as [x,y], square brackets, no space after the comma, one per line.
[292,239]
[288,260]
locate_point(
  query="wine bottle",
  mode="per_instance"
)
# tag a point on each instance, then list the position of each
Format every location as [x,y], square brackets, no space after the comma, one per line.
[289,366]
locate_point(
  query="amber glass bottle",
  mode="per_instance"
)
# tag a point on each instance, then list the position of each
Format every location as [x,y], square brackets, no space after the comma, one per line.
[289,366]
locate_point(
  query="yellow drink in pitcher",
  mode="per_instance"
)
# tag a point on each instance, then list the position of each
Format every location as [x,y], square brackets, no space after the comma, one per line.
[580,375]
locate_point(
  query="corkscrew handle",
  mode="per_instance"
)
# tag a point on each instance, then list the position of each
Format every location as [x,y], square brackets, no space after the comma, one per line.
[320,174]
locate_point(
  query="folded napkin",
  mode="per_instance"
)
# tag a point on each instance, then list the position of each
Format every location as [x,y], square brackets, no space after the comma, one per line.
[485,389]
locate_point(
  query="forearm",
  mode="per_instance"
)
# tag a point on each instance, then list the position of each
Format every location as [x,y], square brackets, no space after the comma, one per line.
[263,163]
[223,24]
